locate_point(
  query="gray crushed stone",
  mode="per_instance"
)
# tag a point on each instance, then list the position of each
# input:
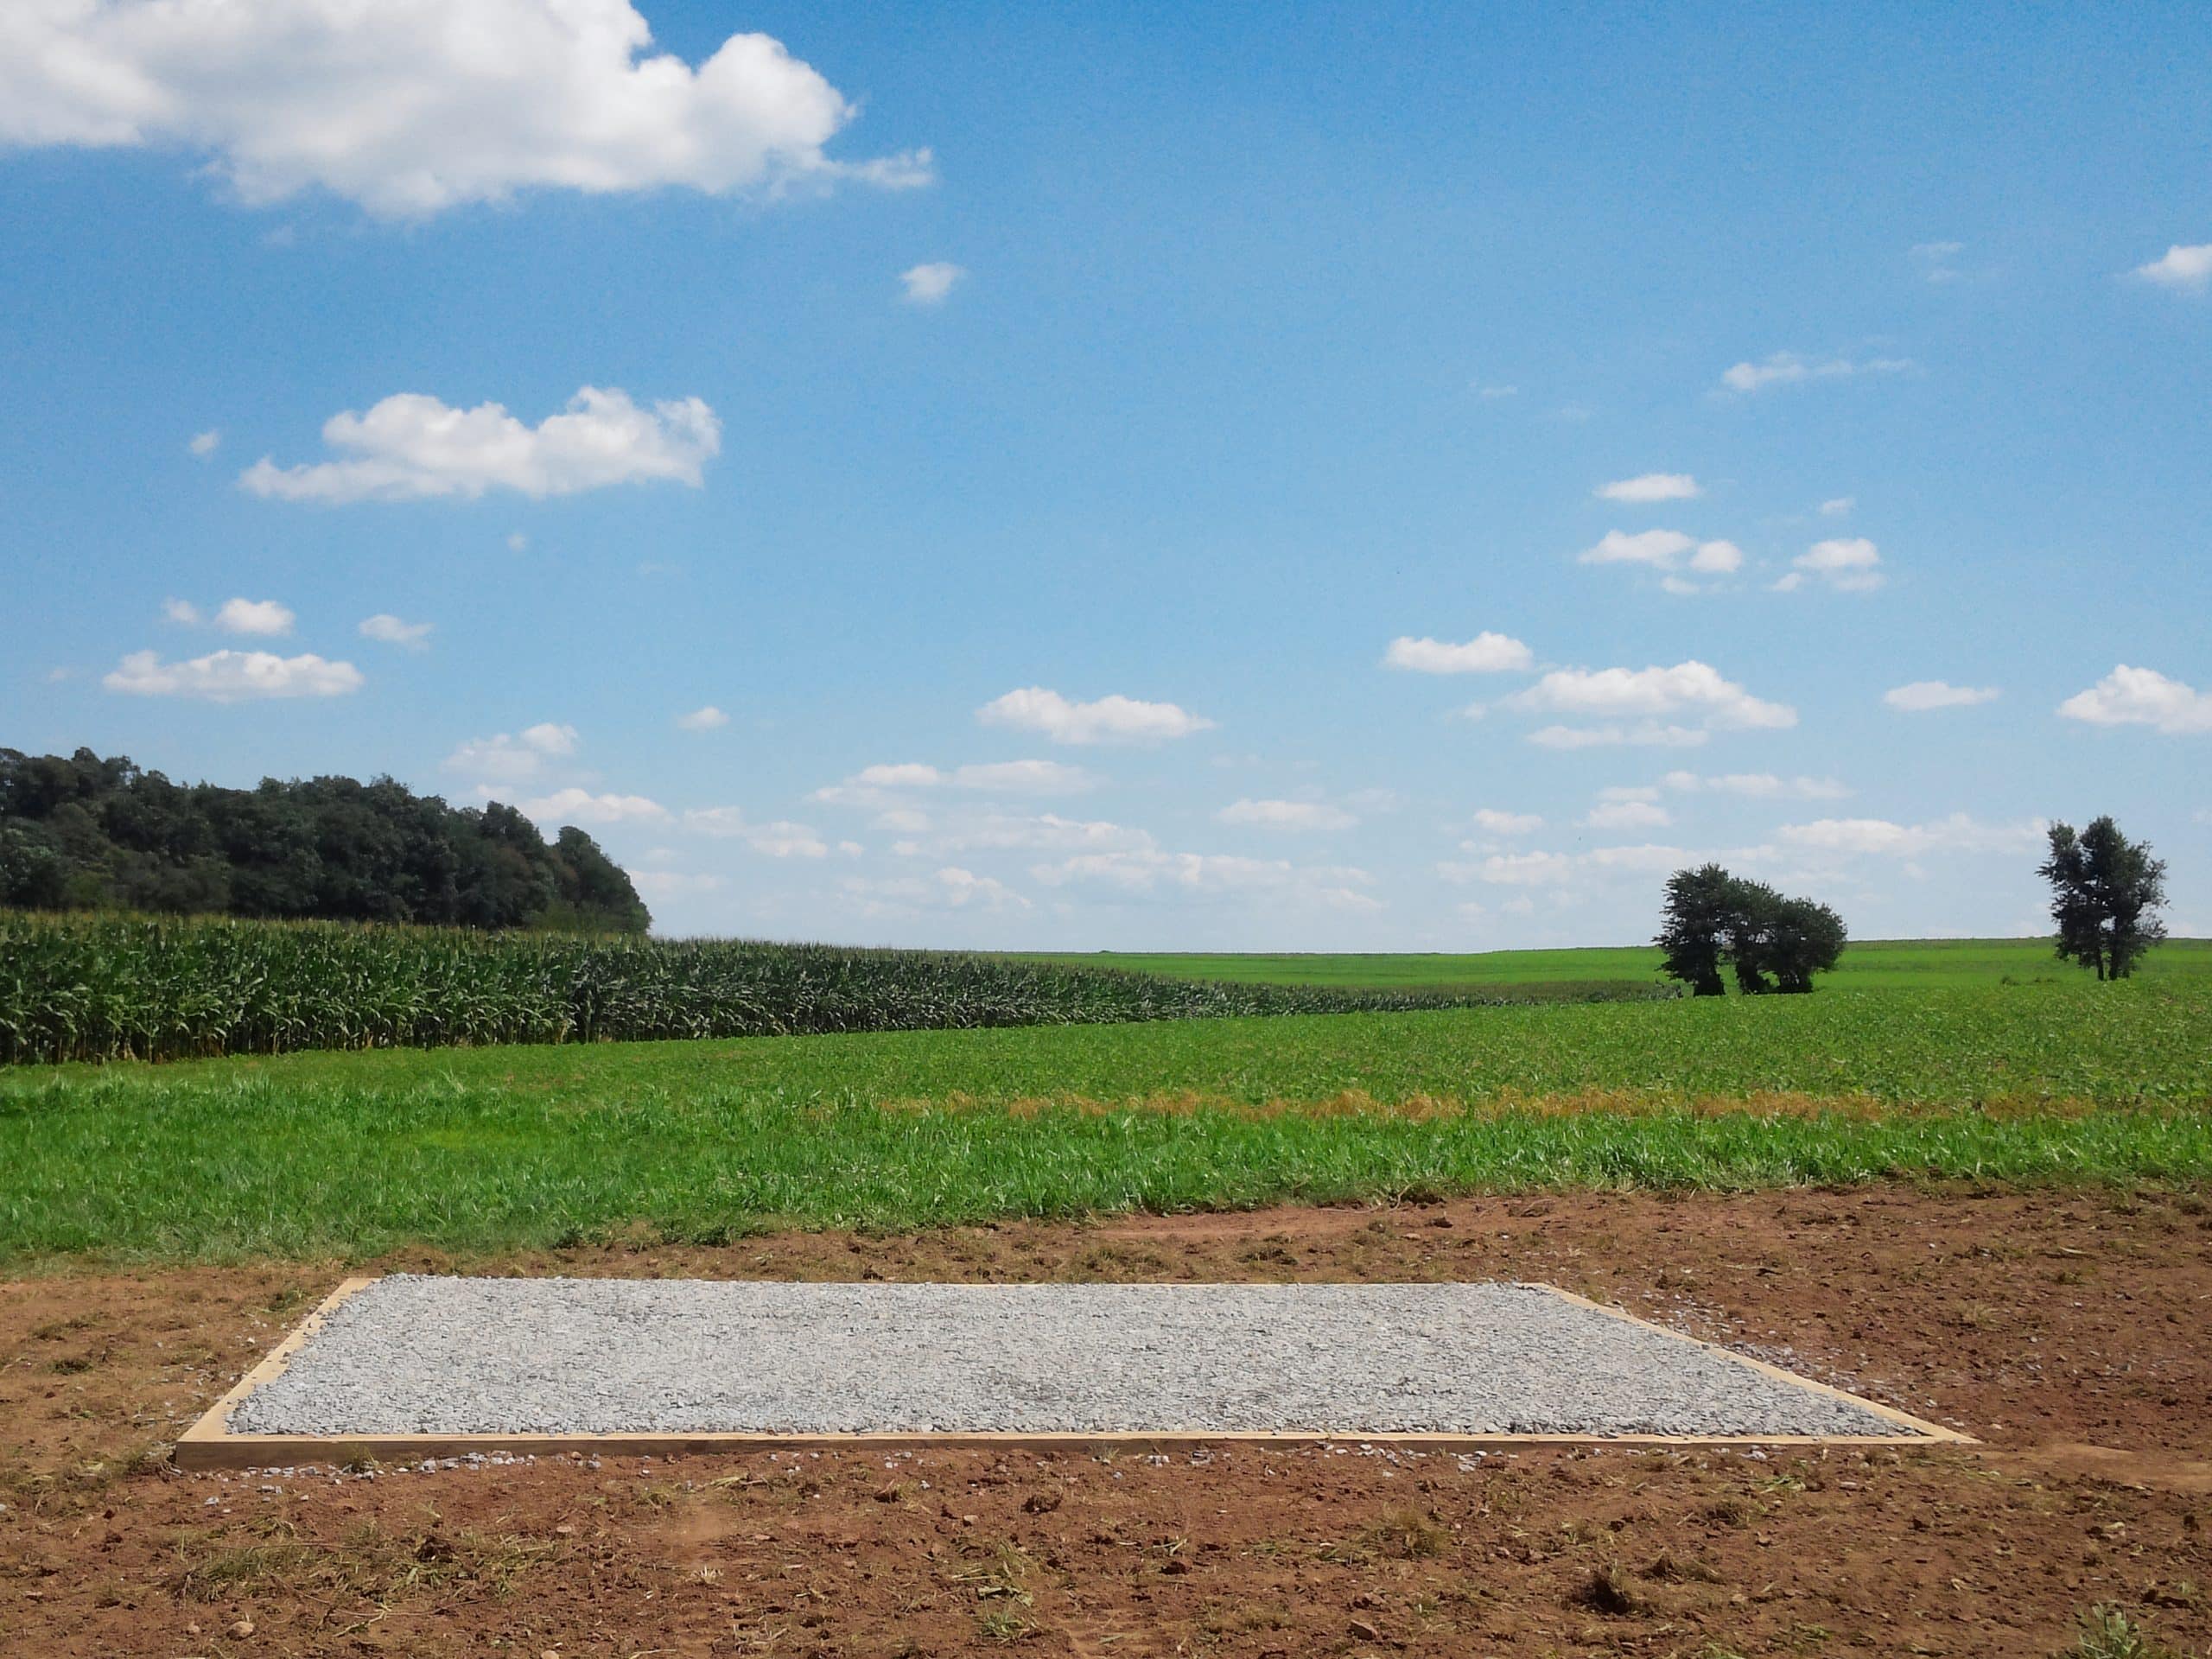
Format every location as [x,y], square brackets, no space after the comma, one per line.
[414,1354]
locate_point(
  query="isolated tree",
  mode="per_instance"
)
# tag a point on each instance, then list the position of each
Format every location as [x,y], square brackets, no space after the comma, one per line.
[1752,908]
[1695,932]
[1773,944]
[1802,938]
[2105,894]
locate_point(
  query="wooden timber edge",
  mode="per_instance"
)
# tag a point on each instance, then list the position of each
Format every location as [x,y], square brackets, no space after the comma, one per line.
[208,1445]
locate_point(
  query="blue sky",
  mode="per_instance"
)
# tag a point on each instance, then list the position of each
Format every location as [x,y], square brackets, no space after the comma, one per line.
[1067,412]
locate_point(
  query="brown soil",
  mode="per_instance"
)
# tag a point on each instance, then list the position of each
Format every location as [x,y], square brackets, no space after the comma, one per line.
[2072,1332]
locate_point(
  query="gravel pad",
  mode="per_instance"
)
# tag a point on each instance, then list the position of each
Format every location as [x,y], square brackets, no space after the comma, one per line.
[416,1355]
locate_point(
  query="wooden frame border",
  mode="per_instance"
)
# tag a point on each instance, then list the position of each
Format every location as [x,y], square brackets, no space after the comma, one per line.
[209,1445]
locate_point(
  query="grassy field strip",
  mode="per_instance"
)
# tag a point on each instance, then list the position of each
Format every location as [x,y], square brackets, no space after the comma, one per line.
[263,1172]
[1867,964]
[486,1149]
[2107,1045]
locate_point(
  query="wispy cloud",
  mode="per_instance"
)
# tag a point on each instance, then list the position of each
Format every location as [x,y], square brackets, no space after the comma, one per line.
[1921,696]
[1651,486]
[1788,368]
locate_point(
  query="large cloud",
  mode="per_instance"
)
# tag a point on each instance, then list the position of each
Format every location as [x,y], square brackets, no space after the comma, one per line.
[233,676]
[408,107]
[410,447]
[2141,697]
[1648,696]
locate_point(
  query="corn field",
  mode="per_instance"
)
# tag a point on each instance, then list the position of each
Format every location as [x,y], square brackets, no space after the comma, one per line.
[108,987]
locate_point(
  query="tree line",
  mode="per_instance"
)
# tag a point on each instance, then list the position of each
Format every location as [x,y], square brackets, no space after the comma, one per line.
[2105,892]
[82,832]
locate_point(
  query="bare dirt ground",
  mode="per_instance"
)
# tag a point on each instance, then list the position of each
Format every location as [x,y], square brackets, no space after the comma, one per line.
[2070,1331]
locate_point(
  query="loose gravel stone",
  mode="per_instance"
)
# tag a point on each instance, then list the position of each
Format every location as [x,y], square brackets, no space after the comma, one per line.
[420,1355]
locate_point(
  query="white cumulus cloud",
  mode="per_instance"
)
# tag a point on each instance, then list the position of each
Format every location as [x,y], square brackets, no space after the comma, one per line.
[501,758]
[387,629]
[1108,719]
[929,284]
[1924,695]
[204,444]
[706,718]
[233,676]
[1490,820]
[1851,563]
[581,806]
[264,618]
[1665,550]
[1688,688]
[1486,653]
[2142,696]
[411,446]
[1651,487]
[408,107]
[2188,269]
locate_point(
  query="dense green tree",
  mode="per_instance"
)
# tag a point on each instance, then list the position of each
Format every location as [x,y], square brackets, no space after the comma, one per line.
[1772,943]
[2105,894]
[1801,939]
[86,832]
[1694,932]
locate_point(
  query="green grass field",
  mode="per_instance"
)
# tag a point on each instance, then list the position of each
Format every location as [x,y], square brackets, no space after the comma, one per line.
[486,1149]
[1867,964]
